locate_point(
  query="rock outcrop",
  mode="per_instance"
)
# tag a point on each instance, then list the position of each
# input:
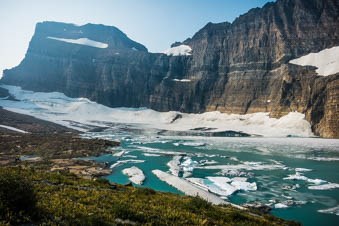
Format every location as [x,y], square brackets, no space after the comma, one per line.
[240,67]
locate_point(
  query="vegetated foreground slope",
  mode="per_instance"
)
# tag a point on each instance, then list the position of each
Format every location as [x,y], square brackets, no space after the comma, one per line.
[64,199]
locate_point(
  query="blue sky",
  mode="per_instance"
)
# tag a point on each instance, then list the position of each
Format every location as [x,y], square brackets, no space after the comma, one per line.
[154,23]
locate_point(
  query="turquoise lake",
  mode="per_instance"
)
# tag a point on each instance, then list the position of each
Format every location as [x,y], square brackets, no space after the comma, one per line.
[271,161]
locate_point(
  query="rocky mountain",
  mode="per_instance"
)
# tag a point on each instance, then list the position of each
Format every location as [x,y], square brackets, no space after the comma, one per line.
[240,67]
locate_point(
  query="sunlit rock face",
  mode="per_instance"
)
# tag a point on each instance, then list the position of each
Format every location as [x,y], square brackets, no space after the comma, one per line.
[240,67]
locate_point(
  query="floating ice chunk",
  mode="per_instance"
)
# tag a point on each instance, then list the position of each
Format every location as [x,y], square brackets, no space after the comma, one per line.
[222,183]
[299,176]
[174,165]
[181,80]
[246,166]
[280,206]
[182,50]
[219,180]
[198,181]
[115,165]
[13,129]
[135,175]
[327,159]
[327,61]
[119,154]
[188,166]
[241,179]
[207,162]
[158,151]
[212,187]
[333,210]
[151,155]
[328,186]
[82,41]
[244,186]
[194,144]
[302,170]
[130,156]
[131,161]
[188,188]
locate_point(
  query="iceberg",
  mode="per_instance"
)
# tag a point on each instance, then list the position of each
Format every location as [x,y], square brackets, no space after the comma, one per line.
[174,165]
[135,175]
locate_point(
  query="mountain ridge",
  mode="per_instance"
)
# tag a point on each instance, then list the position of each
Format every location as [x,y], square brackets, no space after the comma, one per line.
[240,67]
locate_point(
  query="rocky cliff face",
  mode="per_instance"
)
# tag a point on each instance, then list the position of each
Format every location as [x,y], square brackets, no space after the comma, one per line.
[240,67]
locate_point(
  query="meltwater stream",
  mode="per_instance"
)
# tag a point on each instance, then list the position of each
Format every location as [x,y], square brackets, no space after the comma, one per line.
[297,177]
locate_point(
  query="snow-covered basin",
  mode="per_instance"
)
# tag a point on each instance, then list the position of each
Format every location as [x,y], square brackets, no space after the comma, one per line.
[61,109]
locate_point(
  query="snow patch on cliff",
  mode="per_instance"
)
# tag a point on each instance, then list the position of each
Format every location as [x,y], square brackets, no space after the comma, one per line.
[327,61]
[182,50]
[82,41]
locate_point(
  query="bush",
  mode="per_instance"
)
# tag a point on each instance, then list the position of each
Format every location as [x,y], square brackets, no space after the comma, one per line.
[17,197]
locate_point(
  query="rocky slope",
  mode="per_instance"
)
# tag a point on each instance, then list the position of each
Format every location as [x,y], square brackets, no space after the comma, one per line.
[240,67]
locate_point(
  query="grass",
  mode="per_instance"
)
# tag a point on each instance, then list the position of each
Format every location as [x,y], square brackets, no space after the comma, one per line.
[64,199]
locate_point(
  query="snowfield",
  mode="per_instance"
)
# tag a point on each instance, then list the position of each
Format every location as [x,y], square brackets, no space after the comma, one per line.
[82,41]
[13,129]
[58,108]
[327,61]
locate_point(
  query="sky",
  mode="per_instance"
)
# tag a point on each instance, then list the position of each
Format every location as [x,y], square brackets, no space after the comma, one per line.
[154,23]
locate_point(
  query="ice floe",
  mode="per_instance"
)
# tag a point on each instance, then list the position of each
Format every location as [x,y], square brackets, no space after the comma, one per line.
[244,186]
[326,159]
[333,210]
[82,41]
[119,154]
[188,188]
[224,186]
[302,170]
[246,166]
[327,186]
[135,175]
[151,155]
[174,165]
[182,50]
[13,129]
[188,166]
[120,162]
[300,176]
[327,61]
[181,80]
[280,206]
